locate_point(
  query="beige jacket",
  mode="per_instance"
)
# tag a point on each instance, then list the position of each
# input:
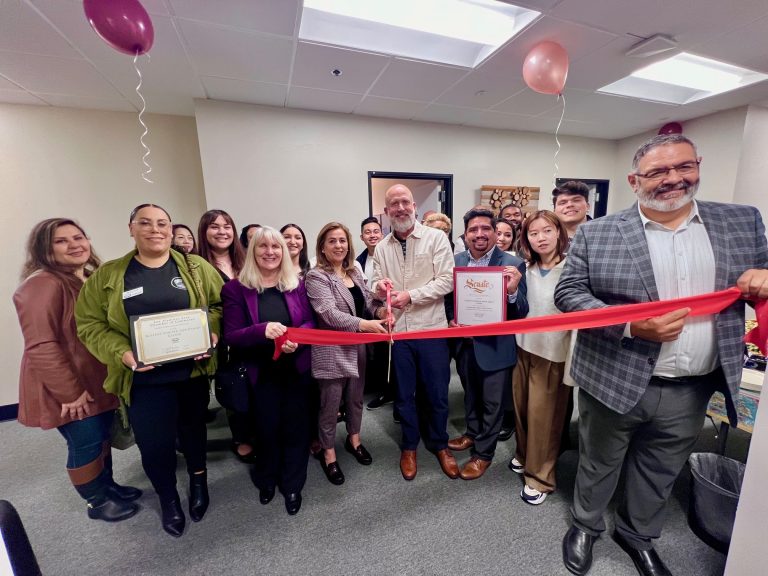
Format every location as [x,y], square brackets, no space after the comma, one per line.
[426,273]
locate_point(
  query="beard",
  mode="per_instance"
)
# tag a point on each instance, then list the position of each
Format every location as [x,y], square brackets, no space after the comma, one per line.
[648,198]
[404,223]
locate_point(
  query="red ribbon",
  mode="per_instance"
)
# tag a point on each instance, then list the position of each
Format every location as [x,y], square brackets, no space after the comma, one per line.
[700,305]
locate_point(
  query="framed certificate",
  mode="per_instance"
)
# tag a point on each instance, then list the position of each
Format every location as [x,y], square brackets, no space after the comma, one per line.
[479,295]
[169,336]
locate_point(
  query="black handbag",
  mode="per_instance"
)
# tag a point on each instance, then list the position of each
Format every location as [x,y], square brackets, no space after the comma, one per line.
[231,386]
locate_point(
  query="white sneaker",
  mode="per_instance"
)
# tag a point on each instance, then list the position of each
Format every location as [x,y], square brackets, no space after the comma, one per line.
[516,466]
[532,496]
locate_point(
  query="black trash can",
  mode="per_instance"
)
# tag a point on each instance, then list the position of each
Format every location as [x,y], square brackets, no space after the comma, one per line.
[715,488]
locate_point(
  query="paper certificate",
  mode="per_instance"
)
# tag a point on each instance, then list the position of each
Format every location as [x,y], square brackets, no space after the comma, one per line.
[169,336]
[480,295]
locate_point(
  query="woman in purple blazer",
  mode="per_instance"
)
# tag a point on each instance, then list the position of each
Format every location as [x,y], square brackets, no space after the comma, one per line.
[338,295]
[267,298]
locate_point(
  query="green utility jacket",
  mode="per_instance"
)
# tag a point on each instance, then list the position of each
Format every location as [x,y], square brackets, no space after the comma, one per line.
[103,327]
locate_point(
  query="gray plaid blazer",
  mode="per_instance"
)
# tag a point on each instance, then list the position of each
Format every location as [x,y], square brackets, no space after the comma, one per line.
[608,263]
[335,310]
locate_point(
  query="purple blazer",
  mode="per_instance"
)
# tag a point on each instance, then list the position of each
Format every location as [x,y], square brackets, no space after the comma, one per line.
[241,328]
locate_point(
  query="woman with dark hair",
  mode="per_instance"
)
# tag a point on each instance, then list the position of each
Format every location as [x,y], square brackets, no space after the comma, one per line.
[247,233]
[164,401]
[540,397]
[218,245]
[61,383]
[267,297]
[296,241]
[506,238]
[183,239]
[341,301]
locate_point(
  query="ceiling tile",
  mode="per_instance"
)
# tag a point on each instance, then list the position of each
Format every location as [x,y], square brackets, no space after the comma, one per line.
[270,16]
[411,80]
[389,107]
[22,29]
[529,103]
[69,101]
[745,46]
[314,62]
[584,106]
[325,100]
[243,91]
[446,114]
[483,88]
[230,53]
[8,85]
[19,97]
[490,119]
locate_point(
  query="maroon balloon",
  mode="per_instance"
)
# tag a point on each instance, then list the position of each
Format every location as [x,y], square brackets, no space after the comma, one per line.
[671,128]
[123,24]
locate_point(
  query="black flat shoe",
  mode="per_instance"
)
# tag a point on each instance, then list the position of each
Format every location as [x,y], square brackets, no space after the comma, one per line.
[577,551]
[173,517]
[111,510]
[292,503]
[198,496]
[647,562]
[360,453]
[333,472]
[266,495]
[505,434]
[124,493]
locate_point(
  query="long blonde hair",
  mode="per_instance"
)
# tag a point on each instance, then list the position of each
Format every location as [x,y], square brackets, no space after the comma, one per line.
[251,276]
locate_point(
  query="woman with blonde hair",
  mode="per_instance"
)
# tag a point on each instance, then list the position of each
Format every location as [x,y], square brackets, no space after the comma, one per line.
[61,383]
[266,299]
[341,301]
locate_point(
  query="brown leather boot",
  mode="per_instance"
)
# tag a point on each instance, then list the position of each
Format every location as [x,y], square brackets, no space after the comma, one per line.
[448,463]
[408,464]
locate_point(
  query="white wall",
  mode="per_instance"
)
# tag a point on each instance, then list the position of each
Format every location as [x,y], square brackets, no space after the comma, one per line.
[753,164]
[84,165]
[257,161]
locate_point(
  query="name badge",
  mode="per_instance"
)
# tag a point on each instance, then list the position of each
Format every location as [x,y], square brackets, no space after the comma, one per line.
[131,293]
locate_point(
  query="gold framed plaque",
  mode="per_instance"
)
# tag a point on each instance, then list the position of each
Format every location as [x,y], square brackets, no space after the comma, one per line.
[170,336]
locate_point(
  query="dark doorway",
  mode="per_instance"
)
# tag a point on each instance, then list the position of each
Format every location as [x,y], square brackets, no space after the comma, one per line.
[598,194]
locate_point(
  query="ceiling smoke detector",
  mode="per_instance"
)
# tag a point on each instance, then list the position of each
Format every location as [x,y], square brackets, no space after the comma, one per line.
[656,44]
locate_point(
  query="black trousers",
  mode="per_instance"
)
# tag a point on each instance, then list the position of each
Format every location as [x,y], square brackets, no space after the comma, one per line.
[281,412]
[158,412]
[486,395]
[654,438]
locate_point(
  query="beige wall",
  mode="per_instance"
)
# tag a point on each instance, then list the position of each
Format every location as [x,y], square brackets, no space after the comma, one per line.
[84,165]
[750,185]
[259,161]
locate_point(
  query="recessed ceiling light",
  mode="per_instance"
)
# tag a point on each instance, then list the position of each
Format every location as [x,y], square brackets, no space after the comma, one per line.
[683,79]
[458,32]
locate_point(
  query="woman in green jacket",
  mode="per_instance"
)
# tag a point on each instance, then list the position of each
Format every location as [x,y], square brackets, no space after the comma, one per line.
[164,401]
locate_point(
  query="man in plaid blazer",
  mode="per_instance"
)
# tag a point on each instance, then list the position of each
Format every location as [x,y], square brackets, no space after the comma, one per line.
[644,387]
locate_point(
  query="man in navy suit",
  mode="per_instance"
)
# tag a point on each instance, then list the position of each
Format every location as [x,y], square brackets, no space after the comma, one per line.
[485,363]
[644,386]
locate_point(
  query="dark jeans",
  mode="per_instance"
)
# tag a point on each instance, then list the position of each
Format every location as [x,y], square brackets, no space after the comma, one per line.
[85,438]
[281,411]
[158,412]
[422,367]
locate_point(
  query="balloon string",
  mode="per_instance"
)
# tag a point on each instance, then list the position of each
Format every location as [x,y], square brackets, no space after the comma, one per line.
[389,329]
[557,131]
[144,173]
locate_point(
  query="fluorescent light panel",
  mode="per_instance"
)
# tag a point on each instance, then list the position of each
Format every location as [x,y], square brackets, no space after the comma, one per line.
[458,32]
[683,79]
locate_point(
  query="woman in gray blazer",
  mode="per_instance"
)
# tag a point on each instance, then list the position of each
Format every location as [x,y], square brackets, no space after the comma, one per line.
[341,301]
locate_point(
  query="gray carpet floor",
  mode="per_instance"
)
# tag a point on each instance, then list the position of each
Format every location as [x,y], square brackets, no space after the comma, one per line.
[376,523]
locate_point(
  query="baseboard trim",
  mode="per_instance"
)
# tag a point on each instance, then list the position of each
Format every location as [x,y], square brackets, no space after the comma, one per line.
[9,412]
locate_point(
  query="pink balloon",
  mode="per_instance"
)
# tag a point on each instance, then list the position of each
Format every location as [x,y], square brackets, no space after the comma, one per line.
[123,24]
[546,68]
[671,128]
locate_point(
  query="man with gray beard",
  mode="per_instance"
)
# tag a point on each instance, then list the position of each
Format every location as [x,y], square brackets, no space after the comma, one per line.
[416,263]
[644,387]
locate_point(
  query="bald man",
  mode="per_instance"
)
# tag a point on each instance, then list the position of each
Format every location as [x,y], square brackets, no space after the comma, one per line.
[416,262]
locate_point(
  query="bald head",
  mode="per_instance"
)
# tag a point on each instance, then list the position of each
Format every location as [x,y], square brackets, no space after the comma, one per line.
[401,209]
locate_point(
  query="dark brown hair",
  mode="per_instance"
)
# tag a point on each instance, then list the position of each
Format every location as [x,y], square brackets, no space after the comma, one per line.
[236,252]
[303,258]
[322,261]
[562,236]
[188,229]
[40,251]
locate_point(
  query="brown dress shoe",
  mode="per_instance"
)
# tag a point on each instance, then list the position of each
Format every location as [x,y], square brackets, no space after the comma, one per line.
[461,443]
[475,468]
[448,463]
[408,464]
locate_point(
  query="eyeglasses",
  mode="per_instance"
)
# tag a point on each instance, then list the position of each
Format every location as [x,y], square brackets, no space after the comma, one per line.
[683,169]
[145,224]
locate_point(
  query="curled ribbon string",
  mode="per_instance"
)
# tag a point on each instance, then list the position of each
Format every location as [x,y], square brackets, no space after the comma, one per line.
[390,322]
[557,131]
[144,173]
[701,305]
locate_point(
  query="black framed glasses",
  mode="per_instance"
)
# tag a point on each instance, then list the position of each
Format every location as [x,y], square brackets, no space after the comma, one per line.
[683,169]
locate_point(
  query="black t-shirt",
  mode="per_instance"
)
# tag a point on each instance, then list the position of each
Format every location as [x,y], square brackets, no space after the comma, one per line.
[273,308]
[153,290]
[357,296]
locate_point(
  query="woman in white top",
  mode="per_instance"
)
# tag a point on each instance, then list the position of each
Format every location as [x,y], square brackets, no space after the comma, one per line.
[540,396]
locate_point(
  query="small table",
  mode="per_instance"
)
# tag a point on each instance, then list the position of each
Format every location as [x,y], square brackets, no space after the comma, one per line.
[746,406]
